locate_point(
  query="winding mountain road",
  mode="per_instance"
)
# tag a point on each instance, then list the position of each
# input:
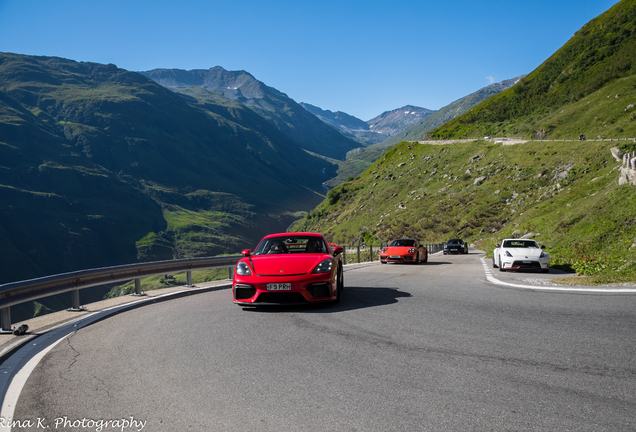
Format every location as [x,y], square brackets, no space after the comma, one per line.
[409,348]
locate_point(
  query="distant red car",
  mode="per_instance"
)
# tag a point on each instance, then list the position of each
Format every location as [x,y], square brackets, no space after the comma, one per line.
[404,250]
[289,268]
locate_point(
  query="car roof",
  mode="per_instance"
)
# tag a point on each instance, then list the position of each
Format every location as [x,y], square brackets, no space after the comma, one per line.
[305,234]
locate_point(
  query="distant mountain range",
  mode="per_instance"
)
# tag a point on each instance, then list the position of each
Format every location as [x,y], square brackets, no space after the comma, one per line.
[287,115]
[418,130]
[376,130]
[395,124]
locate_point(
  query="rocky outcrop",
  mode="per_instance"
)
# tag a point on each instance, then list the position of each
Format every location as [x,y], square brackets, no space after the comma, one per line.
[618,155]
[628,169]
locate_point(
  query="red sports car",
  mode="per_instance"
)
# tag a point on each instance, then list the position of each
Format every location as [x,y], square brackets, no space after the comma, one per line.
[404,250]
[289,268]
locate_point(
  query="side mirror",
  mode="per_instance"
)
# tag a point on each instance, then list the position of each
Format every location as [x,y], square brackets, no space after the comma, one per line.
[337,250]
[542,247]
[246,252]
[497,245]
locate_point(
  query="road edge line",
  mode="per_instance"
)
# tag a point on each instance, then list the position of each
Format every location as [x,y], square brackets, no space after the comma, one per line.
[492,279]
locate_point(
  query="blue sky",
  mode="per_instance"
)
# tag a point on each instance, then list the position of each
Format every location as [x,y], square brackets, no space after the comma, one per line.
[360,57]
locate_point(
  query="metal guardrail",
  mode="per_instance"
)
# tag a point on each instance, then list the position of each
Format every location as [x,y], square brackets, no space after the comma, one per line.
[14,293]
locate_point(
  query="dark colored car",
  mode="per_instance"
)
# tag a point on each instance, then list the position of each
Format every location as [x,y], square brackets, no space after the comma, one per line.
[455,246]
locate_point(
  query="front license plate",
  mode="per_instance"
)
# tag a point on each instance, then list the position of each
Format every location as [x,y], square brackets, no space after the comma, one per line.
[279,287]
[395,257]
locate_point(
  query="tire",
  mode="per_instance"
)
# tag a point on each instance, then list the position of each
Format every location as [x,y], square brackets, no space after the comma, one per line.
[493,262]
[339,284]
[547,270]
[417,259]
[501,269]
[426,257]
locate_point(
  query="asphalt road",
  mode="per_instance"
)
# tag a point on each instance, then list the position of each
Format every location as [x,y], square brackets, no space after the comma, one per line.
[409,348]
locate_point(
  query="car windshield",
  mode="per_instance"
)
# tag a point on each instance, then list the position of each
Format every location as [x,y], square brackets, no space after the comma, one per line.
[454,241]
[403,242]
[521,244]
[291,244]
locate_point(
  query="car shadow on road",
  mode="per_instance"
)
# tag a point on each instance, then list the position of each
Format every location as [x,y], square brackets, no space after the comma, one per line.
[422,264]
[352,298]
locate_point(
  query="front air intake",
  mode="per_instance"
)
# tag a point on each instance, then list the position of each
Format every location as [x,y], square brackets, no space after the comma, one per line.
[243,292]
[322,289]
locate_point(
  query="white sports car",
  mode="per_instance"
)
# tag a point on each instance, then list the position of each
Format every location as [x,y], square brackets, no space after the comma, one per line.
[520,254]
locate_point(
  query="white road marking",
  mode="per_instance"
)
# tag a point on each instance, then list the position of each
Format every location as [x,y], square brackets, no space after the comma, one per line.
[18,381]
[496,281]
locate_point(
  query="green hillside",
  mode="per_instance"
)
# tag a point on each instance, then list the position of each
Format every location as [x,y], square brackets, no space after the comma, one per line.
[101,166]
[566,193]
[586,87]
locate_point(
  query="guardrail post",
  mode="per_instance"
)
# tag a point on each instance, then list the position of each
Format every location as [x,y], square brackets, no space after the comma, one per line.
[230,273]
[188,278]
[344,254]
[371,252]
[358,254]
[138,288]
[75,302]
[5,318]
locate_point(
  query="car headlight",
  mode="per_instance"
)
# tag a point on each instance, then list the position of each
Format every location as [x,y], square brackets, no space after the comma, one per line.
[243,269]
[323,267]
[412,250]
[383,250]
[508,254]
[543,255]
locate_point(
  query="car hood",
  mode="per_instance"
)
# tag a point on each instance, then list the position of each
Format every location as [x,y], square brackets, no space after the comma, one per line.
[286,264]
[398,250]
[524,252]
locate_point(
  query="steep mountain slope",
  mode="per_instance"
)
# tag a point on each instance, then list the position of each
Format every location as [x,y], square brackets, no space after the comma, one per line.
[360,159]
[450,111]
[375,130]
[565,88]
[102,166]
[286,114]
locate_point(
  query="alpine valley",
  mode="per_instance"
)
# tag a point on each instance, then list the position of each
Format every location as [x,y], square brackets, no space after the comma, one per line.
[102,166]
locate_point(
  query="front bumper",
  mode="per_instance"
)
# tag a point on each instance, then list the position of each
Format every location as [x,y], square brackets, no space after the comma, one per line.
[397,258]
[252,290]
[454,250]
[525,264]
